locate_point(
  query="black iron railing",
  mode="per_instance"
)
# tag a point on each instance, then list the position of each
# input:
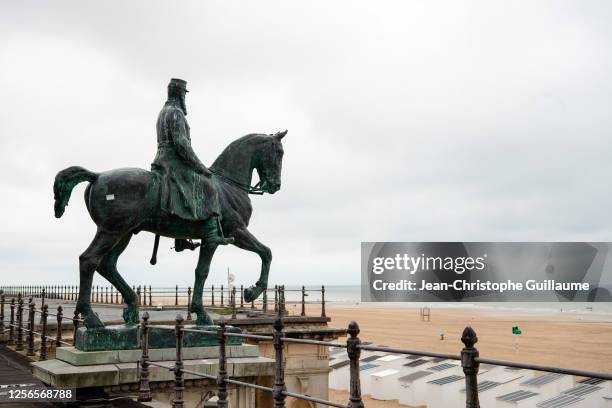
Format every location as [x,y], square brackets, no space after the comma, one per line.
[22,334]
[181,297]
[468,356]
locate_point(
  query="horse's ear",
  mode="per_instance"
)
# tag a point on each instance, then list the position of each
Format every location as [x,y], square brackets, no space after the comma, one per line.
[280,135]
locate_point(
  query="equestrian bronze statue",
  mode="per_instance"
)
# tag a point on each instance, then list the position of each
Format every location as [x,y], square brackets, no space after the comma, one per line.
[179,198]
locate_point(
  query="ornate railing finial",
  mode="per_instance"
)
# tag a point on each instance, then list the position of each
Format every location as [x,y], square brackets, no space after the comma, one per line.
[470,367]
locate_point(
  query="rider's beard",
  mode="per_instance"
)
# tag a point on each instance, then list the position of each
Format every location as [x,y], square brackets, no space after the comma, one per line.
[183,105]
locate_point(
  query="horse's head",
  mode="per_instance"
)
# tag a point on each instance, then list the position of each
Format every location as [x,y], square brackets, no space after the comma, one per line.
[268,161]
[260,152]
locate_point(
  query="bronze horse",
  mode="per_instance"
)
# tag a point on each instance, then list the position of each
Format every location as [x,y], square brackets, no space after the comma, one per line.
[123,202]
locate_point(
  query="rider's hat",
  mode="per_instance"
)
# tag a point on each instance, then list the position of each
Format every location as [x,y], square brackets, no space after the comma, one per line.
[178,83]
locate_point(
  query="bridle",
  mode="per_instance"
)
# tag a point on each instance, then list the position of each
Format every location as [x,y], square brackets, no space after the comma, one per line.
[257,189]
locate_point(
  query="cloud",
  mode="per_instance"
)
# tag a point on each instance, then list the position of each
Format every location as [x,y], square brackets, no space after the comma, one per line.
[407,122]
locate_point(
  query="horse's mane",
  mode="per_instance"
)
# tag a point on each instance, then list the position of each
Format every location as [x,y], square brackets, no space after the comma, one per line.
[251,138]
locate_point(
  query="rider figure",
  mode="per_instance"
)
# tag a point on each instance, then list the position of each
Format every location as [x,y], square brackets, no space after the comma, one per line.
[187,190]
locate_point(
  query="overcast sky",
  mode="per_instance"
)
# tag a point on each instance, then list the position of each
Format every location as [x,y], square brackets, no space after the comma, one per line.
[408,121]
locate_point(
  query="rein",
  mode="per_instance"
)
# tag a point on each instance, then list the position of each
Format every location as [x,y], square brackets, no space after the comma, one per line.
[256,189]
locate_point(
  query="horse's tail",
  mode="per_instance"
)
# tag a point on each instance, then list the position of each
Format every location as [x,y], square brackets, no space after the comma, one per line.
[65,182]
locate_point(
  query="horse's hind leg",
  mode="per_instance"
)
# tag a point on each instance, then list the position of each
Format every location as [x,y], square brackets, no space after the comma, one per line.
[201,273]
[108,269]
[245,240]
[102,243]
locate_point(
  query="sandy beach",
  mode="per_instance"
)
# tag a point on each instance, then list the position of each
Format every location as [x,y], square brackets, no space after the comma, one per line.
[573,340]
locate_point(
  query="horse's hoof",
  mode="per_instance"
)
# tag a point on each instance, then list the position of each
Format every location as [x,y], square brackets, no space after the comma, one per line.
[204,319]
[92,320]
[251,293]
[130,315]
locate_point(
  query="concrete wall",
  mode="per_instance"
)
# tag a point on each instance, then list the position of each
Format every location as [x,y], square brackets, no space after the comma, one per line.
[306,370]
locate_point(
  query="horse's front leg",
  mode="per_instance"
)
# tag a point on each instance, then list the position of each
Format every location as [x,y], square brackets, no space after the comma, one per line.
[201,273]
[245,240]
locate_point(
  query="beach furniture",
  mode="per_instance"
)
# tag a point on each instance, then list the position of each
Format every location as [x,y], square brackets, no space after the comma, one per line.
[391,361]
[410,391]
[580,396]
[548,384]
[388,364]
[383,384]
[443,392]
[520,398]
[364,372]
[339,375]
[494,381]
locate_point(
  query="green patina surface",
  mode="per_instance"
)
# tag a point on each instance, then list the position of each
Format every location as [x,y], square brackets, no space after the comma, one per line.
[124,337]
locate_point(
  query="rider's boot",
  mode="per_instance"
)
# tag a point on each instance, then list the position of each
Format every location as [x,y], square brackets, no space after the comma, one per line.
[213,234]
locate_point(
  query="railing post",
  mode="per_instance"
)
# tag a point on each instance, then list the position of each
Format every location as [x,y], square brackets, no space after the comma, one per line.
[11,339]
[189,303]
[353,351]
[279,377]
[144,295]
[138,295]
[282,305]
[241,296]
[19,345]
[2,300]
[470,367]
[58,335]
[233,302]
[179,382]
[144,392]
[276,289]
[106,294]
[75,323]
[31,318]
[222,374]
[43,335]
[212,291]
[176,296]
[150,297]
[42,300]
[323,301]
[265,300]
[221,295]
[303,301]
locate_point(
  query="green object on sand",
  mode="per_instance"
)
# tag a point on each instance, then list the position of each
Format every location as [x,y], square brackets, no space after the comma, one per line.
[516,330]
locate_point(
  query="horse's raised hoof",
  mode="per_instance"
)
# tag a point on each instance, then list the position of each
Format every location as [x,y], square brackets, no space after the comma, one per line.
[130,315]
[252,292]
[92,320]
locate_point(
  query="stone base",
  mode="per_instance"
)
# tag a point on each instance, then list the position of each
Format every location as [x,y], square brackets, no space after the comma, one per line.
[61,374]
[77,357]
[124,337]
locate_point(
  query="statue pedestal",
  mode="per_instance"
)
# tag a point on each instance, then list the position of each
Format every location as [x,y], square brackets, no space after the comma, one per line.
[124,337]
[115,372]
[76,357]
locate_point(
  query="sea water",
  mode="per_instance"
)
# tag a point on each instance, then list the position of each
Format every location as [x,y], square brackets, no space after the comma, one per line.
[351,294]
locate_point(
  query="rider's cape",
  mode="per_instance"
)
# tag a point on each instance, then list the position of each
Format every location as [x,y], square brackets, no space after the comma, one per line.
[184,192]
